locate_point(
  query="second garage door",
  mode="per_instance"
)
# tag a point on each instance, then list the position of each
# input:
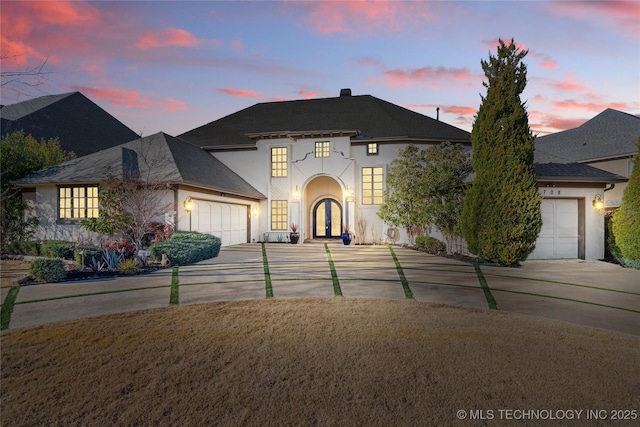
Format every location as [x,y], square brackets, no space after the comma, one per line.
[224,220]
[559,234]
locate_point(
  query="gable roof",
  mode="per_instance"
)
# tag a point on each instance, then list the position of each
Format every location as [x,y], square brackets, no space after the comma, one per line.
[362,116]
[610,134]
[170,159]
[80,125]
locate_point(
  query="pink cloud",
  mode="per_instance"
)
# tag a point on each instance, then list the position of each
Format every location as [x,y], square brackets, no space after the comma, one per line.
[241,93]
[428,75]
[357,16]
[619,15]
[22,23]
[131,99]
[571,104]
[567,84]
[167,37]
[307,94]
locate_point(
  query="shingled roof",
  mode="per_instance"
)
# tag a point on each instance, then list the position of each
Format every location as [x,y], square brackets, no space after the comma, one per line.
[173,161]
[610,134]
[80,125]
[361,117]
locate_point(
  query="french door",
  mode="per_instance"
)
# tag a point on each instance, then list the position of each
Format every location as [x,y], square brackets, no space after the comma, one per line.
[327,219]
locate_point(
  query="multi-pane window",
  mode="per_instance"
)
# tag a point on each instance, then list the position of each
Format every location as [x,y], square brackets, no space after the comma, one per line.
[322,149]
[279,162]
[78,202]
[279,215]
[372,185]
[372,148]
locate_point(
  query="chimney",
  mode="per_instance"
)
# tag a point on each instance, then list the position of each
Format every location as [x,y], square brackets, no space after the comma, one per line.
[345,92]
[438,113]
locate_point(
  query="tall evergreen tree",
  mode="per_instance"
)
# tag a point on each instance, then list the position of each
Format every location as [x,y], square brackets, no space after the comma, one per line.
[626,220]
[501,215]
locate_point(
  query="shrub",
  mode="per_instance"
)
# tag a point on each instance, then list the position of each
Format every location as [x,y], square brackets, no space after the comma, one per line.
[430,244]
[47,270]
[57,249]
[89,254]
[184,248]
[27,247]
[128,266]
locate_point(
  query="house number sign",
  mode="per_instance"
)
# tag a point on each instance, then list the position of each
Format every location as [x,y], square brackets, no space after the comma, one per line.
[549,192]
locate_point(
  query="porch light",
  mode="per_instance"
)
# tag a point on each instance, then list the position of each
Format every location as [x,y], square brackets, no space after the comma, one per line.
[296,193]
[188,205]
[597,202]
[348,193]
[254,211]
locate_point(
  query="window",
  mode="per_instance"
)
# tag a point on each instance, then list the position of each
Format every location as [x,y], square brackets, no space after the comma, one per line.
[322,149]
[372,186]
[78,202]
[279,162]
[372,149]
[279,217]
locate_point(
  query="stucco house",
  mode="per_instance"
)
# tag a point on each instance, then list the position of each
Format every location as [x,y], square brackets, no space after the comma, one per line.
[318,163]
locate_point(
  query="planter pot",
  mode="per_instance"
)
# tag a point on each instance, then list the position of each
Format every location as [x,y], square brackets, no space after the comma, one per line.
[294,238]
[346,238]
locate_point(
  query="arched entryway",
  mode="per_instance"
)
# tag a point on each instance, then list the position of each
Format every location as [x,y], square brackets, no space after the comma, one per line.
[327,219]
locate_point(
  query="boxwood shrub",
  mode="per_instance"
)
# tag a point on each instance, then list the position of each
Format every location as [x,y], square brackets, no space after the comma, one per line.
[30,247]
[430,244]
[57,249]
[47,270]
[184,248]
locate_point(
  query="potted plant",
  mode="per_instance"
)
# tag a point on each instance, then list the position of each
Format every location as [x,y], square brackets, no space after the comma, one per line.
[294,236]
[346,235]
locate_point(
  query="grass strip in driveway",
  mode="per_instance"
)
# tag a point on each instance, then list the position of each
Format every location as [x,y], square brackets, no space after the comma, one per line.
[7,307]
[334,275]
[174,296]
[405,283]
[485,288]
[267,275]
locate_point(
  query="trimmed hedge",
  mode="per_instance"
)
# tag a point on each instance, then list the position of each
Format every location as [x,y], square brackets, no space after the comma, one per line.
[30,247]
[57,249]
[47,270]
[430,244]
[184,248]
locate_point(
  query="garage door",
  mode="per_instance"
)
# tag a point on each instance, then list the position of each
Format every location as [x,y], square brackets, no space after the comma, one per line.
[224,220]
[559,234]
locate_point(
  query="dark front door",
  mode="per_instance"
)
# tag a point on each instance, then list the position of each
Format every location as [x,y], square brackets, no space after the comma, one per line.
[327,219]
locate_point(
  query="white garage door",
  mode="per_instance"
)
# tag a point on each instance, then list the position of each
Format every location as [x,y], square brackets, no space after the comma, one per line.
[559,234]
[224,220]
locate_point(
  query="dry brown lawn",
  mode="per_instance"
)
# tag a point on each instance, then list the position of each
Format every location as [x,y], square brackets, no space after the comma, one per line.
[12,269]
[311,362]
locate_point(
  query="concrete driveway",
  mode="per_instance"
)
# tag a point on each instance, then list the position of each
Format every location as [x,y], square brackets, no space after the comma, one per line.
[591,293]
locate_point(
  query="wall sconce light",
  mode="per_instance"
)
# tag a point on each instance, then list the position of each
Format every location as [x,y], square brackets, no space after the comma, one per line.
[296,193]
[188,205]
[254,211]
[348,193]
[598,203]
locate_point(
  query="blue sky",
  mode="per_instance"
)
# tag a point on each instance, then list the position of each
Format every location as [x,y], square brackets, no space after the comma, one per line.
[173,66]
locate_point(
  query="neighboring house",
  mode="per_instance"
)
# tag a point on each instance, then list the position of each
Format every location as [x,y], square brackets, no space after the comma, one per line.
[607,142]
[79,124]
[68,192]
[318,163]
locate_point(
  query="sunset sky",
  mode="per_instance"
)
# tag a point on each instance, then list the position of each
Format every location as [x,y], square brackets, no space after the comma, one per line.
[173,66]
